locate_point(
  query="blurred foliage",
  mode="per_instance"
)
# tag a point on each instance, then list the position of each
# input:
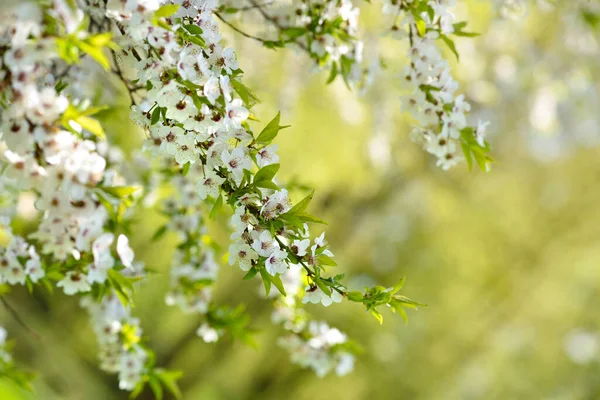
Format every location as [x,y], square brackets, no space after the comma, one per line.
[507,261]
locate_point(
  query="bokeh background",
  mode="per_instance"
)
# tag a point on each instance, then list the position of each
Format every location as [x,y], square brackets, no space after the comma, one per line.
[508,261]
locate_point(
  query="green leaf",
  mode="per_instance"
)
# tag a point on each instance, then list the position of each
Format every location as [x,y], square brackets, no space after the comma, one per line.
[294,32]
[193,29]
[266,185]
[169,381]
[302,204]
[450,45]
[266,278]
[406,302]
[138,389]
[121,279]
[458,30]
[270,131]
[377,315]
[466,34]
[345,69]
[101,40]
[96,53]
[82,118]
[156,388]
[166,11]
[355,296]
[120,192]
[333,73]
[91,125]
[217,206]
[276,280]
[293,220]
[186,168]
[591,18]
[29,285]
[247,96]
[459,25]
[160,232]
[306,217]
[402,313]
[155,116]
[60,86]
[323,286]
[480,159]
[251,273]
[326,260]
[399,285]
[266,173]
[421,26]
[468,156]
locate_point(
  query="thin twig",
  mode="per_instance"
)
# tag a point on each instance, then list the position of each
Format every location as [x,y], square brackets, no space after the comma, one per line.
[245,34]
[119,72]
[18,318]
[266,4]
[275,23]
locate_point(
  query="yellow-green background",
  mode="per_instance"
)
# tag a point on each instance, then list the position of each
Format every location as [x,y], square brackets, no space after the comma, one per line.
[507,261]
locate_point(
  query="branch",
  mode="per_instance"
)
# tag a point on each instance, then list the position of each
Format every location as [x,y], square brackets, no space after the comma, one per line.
[249,36]
[119,72]
[274,22]
[18,318]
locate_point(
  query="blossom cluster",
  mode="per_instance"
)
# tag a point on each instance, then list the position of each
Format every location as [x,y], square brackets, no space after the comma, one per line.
[318,349]
[52,149]
[188,97]
[118,335]
[47,150]
[442,114]
[311,344]
[19,261]
[192,116]
[328,31]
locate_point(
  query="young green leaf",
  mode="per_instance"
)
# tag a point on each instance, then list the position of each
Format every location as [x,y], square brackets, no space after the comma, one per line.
[251,273]
[302,205]
[266,278]
[323,286]
[266,173]
[270,131]
[450,43]
[166,11]
[120,192]
[217,206]
[276,280]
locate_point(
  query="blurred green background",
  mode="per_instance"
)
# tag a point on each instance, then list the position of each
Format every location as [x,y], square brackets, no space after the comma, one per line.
[508,261]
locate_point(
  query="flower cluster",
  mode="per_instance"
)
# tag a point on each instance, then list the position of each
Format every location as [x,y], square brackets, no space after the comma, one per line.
[192,116]
[320,348]
[19,261]
[311,344]
[441,113]
[119,338]
[324,29]
[52,148]
[327,30]
[188,97]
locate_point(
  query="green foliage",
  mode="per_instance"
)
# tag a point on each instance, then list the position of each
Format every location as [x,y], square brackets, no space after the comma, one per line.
[270,131]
